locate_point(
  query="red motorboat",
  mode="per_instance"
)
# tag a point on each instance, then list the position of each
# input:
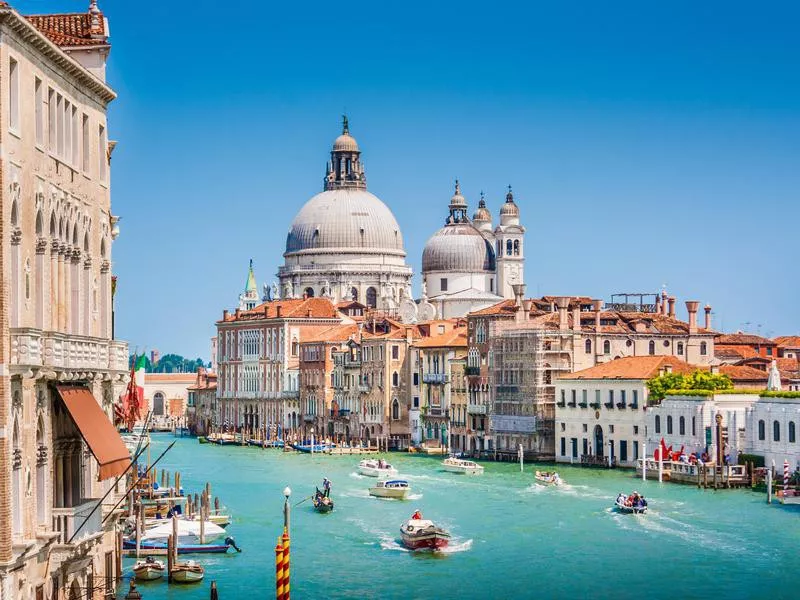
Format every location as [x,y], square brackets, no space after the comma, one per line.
[421,534]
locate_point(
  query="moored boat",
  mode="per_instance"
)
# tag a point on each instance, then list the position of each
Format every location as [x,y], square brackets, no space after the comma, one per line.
[633,504]
[188,531]
[149,569]
[161,547]
[322,503]
[548,478]
[390,488]
[376,468]
[309,448]
[188,571]
[459,465]
[423,534]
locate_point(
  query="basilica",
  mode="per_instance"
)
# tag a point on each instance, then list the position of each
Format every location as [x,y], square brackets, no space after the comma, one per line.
[346,245]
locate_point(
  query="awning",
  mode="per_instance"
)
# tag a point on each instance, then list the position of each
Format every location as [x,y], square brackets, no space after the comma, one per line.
[97,431]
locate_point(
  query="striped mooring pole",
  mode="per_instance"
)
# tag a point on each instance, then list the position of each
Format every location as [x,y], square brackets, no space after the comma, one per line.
[785,477]
[286,577]
[279,571]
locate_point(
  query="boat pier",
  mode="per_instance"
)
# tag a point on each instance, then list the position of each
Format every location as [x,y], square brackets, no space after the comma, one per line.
[707,475]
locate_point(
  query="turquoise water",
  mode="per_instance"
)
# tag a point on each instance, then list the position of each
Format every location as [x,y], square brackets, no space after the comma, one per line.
[511,537]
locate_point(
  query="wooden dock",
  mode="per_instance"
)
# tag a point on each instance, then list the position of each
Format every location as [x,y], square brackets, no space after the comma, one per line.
[348,451]
[703,476]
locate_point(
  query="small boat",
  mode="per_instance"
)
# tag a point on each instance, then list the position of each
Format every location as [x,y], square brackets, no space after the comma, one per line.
[548,478]
[459,465]
[376,468]
[161,548]
[322,503]
[390,488]
[149,569]
[633,504]
[187,571]
[308,448]
[420,534]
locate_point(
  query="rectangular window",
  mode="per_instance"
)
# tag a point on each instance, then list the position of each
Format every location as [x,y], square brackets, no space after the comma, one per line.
[635,450]
[13,90]
[67,132]
[563,446]
[443,285]
[85,143]
[416,378]
[623,451]
[597,397]
[585,396]
[635,430]
[38,108]
[610,429]
[491,285]
[51,120]
[622,395]
[102,159]
[585,447]
[395,352]
[635,402]
[416,401]
[76,141]
[574,447]
[59,125]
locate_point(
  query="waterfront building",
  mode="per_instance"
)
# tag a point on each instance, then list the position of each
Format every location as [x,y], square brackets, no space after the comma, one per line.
[61,369]
[467,265]
[201,407]
[317,380]
[690,422]
[436,355]
[772,430]
[347,387]
[601,411]
[166,395]
[345,243]
[258,360]
[458,416]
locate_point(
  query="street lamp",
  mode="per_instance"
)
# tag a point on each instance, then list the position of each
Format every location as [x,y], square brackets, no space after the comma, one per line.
[287,491]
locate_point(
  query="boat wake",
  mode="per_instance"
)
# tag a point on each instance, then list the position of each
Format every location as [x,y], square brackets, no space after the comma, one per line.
[413,496]
[355,475]
[456,547]
[389,543]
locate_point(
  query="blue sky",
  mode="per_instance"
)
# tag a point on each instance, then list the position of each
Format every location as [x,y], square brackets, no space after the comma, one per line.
[646,144]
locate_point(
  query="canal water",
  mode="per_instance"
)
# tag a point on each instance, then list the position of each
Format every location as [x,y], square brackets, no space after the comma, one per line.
[512,538]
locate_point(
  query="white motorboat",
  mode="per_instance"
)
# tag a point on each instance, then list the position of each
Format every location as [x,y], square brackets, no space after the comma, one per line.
[634,504]
[390,488]
[187,571]
[548,478]
[376,468]
[423,534]
[459,465]
[188,532]
[149,569]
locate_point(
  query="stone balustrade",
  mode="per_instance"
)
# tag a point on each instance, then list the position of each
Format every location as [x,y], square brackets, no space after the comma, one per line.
[35,348]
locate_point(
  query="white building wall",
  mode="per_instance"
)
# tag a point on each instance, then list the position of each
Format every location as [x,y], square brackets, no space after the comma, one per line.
[785,411]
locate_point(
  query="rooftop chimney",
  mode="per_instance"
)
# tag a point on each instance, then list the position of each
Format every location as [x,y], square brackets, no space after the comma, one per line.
[672,306]
[562,302]
[597,306]
[278,310]
[224,315]
[238,312]
[708,316]
[663,302]
[266,311]
[526,305]
[519,293]
[576,317]
[691,308]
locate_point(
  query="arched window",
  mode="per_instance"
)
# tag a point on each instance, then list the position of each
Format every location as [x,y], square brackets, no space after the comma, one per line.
[651,348]
[308,292]
[762,430]
[516,247]
[395,410]
[792,434]
[395,379]
[354,294]
[776,431]
[669,424]
[509,247]
[606,347]
[703,348]
[681,426]
[295,346]
[680,348]
[158,403]
[41,473]
[588,346]
[372,297]
[658,423]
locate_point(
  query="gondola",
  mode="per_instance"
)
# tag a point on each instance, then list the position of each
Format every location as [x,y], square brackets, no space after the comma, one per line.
[322,503]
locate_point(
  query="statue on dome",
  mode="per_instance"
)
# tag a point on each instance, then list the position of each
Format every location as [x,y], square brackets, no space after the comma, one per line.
[275,291]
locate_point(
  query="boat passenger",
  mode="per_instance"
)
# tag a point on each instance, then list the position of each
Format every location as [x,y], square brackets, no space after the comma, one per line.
[417,515]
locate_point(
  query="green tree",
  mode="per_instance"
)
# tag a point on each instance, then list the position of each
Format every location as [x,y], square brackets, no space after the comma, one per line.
[697,380]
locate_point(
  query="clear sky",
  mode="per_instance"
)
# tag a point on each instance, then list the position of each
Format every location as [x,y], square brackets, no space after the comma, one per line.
[647,143]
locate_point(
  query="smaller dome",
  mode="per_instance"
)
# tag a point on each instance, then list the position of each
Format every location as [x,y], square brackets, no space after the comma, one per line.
[345,143]
[509,209]
[482,214]
[458,248]
[458,201]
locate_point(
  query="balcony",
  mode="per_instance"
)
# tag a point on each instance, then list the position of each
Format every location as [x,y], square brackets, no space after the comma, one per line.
[309,418]
[620,405]
[476,409]
[609,405]
[472,371]
[595,405]
[67,520]
[583,404]
[341,413]
[364,388]
[37,348]
[561,403]
[435,378]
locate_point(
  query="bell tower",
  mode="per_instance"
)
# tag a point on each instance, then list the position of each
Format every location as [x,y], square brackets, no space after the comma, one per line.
[510,248]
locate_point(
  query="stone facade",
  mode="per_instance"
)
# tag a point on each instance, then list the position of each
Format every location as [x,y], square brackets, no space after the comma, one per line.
[56,232]
[772,431]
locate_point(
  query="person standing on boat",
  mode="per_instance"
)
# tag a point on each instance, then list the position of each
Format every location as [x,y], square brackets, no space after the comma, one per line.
[417,515]
[326,487]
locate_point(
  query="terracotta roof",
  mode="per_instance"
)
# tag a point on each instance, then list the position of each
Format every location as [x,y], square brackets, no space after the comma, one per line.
[741,373]
[745,339]
[740,351]
[456,338]
[313,308]
[617,322]
[788,341]
[632,367]
[69,30]
[506,307]
[170,377]
[339,333]
[728,353]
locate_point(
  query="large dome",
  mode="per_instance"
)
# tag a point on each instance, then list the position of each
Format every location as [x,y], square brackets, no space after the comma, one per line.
[458,248]
[345,219]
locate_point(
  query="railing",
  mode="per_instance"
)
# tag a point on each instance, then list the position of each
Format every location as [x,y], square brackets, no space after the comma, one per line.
[472,371]
[435,378]
[342,412]
[476,409]
[37,348]
[67,520]
[364,388]
[309,418]
[595,405]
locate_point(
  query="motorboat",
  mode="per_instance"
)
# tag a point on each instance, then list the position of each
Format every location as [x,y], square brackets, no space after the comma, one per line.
[149,569]
[161,547]
[548,478]
[422,534]
[632,504]
[322,503]
[376,468]
[459,465]
[311,448]
[188,531]
[390,488]
[188,571]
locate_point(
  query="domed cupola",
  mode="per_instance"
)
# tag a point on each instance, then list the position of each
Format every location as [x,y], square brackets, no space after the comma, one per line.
[482,217]
[345,169]
[458,247]
[509,212]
